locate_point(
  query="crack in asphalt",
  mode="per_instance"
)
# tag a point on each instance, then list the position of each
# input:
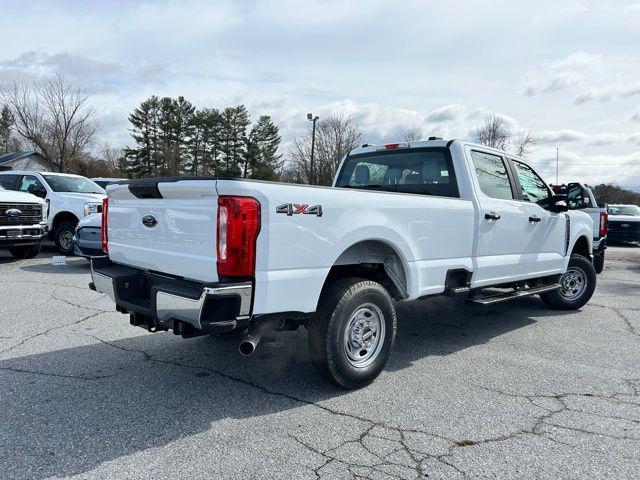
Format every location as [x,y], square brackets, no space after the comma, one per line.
[50,284]
[618,311]
[57,375]
[403,456]
[51,329]
[335,455]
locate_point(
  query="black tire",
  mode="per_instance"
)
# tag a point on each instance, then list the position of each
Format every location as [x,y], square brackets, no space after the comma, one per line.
[598,262]
[61,237]
[351,302]
[579,283]
[24,252]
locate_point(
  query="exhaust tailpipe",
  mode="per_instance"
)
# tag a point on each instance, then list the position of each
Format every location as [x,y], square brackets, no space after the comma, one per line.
[249,345]
[254,334]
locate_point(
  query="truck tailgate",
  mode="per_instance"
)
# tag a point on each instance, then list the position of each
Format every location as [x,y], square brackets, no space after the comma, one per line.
[166,226]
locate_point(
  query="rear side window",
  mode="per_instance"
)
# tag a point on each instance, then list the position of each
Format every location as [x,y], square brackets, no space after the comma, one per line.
[533,187]
[9,182]
[423,171]
[492,175]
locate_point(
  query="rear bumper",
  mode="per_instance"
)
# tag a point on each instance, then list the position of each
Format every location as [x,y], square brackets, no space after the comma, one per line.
[599,245]
[171,303]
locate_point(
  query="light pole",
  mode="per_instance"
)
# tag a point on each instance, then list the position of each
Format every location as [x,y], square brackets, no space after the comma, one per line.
[313,119]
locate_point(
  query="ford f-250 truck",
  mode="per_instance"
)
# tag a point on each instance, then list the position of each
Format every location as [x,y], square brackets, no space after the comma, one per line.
[23,223]
[402,221]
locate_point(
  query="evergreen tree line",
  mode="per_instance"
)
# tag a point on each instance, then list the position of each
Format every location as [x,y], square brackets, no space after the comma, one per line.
[173,138]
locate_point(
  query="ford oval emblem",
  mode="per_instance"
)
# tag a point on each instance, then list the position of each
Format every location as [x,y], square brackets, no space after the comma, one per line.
[13,212]
[625,225]
[149,221]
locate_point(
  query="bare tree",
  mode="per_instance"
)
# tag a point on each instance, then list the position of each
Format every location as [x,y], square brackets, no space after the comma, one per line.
[335,137]
[493,132]
[411,135]
[523,143]
[53,117]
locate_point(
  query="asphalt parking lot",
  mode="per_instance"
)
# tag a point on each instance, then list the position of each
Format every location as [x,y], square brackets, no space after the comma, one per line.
[512,391]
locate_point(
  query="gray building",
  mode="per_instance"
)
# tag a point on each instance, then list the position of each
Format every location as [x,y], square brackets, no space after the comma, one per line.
[24,161]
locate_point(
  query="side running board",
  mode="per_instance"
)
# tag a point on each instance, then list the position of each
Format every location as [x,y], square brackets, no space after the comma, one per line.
[505,297]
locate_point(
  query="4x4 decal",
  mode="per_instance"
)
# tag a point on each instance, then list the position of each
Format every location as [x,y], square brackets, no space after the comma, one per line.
[298,208]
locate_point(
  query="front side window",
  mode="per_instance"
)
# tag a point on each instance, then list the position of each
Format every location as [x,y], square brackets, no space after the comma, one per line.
[533,187]
[29,181]
[62,183]
[424,171]
[492,175]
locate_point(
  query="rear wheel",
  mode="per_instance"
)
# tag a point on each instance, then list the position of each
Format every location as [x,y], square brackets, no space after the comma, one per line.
[577,285]
[352,333]
[23,252]
[63,237]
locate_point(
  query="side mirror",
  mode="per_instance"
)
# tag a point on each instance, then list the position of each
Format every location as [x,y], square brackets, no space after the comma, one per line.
[577,196]
[559,203]
[37,191]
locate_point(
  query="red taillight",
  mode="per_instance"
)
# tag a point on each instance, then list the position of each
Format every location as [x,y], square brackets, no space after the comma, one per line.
[238,228]
[604,223]
[105,236]
[391,146]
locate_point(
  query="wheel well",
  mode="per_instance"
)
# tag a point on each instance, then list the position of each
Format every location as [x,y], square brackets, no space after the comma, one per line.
[581,247]
[63,217]
[374,260]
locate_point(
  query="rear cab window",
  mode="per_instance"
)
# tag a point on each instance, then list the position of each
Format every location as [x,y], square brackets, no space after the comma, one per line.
[425,171]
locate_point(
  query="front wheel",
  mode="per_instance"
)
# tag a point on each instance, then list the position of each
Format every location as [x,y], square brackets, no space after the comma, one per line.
[352,333]
[577,285]
[24,252]
[63,237]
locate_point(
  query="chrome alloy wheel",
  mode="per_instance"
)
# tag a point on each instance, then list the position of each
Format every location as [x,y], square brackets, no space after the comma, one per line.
[573,283]
[364,335]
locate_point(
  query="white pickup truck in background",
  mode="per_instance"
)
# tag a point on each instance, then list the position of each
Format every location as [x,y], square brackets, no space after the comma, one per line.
[69,197]
[23,223]
[581,197]
[402,221]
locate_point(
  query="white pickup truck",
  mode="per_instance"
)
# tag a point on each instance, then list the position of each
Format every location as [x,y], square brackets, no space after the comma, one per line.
[402,221]
[69,198]
[23,223]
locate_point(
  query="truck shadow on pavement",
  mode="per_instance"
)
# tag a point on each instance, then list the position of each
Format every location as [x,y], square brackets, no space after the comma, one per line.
[69,410]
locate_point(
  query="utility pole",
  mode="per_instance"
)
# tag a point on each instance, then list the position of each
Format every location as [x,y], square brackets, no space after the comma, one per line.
[557,166]
[313,119]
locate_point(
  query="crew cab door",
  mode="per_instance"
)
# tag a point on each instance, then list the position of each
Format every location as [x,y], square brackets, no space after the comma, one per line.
[545,230]
[500,222]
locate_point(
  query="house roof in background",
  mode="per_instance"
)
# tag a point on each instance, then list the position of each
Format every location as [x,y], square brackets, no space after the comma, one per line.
[7,157]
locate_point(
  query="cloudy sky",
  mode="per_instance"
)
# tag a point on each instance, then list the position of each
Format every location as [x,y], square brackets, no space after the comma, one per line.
[568,71]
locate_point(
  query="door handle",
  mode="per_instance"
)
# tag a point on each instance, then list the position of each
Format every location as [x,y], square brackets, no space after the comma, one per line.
[534,219]
[492,216]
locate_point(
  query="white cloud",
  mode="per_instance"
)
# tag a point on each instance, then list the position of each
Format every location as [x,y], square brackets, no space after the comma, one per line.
[445,114]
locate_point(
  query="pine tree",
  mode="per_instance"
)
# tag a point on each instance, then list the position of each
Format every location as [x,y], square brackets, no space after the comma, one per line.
[235,121]
[142,160]
[262,152]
